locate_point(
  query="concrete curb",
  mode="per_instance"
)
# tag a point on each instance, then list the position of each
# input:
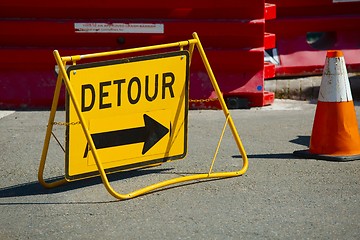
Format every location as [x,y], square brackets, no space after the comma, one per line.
[306,88]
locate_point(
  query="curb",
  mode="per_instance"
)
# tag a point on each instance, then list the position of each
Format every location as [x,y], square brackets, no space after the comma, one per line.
[306,88]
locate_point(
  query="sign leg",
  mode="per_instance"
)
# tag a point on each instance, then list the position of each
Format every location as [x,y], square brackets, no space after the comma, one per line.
[47,138]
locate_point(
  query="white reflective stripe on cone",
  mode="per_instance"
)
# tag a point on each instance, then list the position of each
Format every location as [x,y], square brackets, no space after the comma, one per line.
[335,86]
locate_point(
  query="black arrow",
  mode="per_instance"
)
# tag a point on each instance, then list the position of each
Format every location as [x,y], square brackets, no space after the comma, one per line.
[150,134]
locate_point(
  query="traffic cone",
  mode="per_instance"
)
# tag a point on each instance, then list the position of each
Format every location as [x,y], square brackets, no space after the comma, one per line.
[335,134]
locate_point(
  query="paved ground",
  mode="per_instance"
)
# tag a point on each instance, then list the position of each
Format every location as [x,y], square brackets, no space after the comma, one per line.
[279,197]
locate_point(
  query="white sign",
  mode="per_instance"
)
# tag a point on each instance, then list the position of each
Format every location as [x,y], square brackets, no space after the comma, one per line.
[119,27]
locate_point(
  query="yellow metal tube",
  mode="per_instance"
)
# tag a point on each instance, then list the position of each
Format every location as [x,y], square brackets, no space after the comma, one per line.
[62,71]
[222,102]
[47,139]
[177,180]
[131,50]
[191,51]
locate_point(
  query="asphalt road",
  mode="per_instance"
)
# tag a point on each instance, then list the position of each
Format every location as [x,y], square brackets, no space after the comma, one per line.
[280,196]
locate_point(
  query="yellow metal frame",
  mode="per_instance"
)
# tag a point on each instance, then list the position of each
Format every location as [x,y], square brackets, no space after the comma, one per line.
[62,76]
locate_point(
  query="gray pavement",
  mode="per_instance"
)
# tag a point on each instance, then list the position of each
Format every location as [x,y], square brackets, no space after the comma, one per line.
[280,196]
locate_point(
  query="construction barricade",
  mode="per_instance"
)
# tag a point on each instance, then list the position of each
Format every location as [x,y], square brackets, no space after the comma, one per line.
[233,33]
[130,113]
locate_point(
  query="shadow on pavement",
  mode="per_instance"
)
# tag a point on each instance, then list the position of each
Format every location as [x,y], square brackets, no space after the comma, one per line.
[300,140]
[35,188]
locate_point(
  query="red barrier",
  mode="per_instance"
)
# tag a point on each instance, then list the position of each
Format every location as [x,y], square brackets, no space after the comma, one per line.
[63,34]
[232,33]
[113,9]
[306,29]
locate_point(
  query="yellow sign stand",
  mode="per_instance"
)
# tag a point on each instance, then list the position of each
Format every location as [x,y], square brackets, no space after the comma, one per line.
[80,109]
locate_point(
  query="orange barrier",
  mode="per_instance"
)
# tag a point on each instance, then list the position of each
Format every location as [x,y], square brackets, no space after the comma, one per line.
[335,135]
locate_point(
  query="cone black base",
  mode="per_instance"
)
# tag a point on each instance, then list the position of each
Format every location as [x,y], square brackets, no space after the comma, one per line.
[307,154]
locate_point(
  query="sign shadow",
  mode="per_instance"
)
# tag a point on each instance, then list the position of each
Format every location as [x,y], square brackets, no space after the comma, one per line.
[300,140]
[35,188]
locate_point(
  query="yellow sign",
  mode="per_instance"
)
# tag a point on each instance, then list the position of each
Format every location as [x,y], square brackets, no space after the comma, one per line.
[135,109]
[132,113]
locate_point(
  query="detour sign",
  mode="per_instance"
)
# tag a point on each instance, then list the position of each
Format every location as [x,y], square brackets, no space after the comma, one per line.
[136,112]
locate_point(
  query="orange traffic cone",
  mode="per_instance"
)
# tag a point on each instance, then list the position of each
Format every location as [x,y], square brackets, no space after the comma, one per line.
[335,134]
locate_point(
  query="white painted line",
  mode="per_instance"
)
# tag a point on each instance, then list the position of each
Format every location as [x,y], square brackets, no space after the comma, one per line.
[5,113]
[281,105]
